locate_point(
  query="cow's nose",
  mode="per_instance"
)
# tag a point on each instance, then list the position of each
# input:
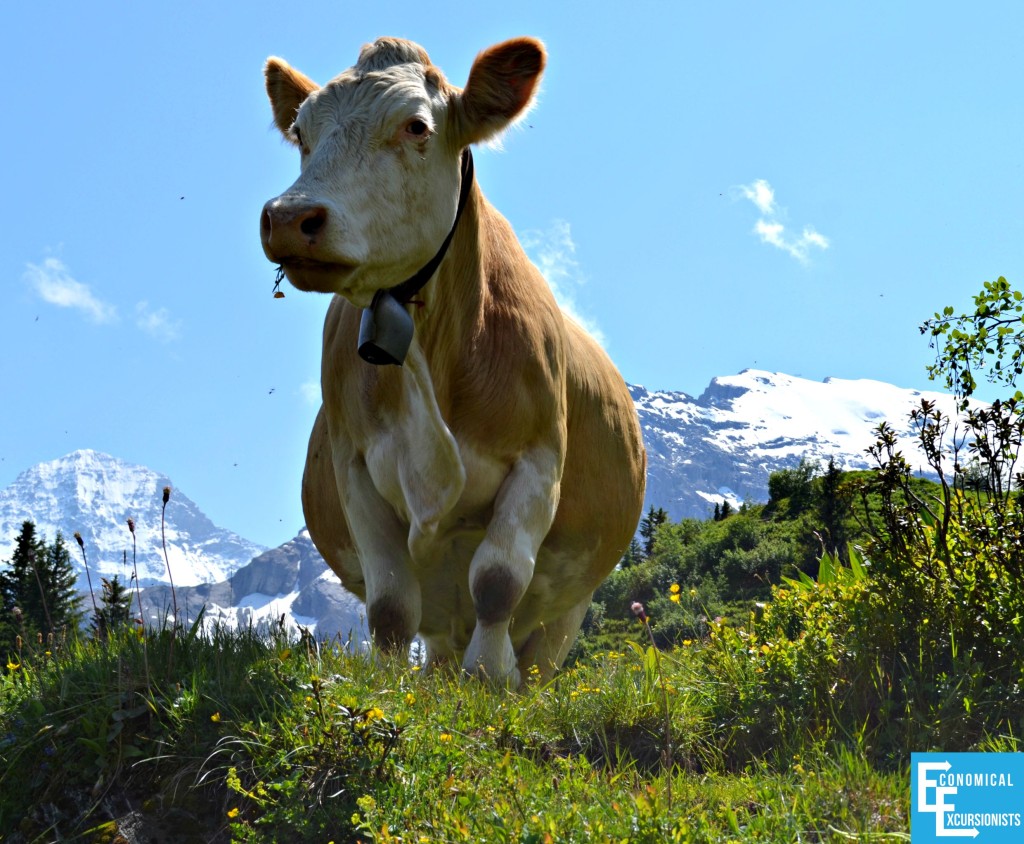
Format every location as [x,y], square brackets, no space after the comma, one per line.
[289,227]
[313,220]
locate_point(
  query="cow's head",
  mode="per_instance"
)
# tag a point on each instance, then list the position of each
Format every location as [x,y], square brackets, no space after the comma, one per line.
[380,170]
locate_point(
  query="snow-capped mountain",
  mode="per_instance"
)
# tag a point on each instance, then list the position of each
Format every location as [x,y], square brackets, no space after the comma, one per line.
[95,494]
[724,444]
[291,583]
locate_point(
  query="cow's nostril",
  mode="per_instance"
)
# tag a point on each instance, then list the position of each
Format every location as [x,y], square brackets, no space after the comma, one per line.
[314,221]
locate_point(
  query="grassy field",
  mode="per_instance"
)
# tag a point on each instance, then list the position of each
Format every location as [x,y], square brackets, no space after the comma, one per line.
[236,737]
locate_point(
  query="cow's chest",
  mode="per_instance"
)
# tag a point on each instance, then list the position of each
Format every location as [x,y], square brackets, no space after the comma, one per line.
[438,482]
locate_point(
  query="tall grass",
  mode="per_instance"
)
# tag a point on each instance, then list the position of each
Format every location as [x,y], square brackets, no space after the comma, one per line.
[247,738]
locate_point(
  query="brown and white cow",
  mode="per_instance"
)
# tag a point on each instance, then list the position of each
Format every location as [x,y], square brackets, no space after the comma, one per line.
[480,492]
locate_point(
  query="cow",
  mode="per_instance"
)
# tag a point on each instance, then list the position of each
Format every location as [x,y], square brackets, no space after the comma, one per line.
[476,467]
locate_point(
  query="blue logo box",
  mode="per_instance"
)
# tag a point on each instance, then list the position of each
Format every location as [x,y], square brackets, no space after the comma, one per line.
[967,796]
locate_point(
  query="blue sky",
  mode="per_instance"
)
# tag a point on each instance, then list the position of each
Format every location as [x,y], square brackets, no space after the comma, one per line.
[710,186]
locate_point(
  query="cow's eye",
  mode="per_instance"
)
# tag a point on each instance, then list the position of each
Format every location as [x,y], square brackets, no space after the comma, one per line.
[417,128]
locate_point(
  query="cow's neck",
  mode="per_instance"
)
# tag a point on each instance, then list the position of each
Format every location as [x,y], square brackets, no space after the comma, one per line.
[454,303]
[386,328]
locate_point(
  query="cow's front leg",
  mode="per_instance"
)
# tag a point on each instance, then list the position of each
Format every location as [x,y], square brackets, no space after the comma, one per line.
[502,566]
[393,607]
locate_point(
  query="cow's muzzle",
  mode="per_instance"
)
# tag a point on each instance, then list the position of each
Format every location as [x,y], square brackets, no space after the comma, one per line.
[291,227]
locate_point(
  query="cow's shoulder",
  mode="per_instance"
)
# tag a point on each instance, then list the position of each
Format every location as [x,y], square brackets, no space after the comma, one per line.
[494,336]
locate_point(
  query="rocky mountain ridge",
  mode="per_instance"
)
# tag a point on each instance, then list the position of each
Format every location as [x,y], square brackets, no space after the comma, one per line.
[286,587]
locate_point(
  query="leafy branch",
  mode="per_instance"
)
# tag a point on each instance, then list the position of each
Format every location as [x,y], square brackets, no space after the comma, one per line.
[989,340]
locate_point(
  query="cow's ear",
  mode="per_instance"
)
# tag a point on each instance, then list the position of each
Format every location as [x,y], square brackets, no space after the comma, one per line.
[501,86]
[287,89]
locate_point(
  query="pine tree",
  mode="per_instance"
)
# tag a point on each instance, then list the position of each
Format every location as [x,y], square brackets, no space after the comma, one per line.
[833,508]
[21,597]
[649,528]
[60,585]
[39,581]
[634,554]
[115,606]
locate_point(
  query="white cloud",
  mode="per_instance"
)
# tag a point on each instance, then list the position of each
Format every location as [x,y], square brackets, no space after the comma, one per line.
[53,282]
[554,253]
[157,323]
[772,232]
[775,234]
[762,195]
[812,238]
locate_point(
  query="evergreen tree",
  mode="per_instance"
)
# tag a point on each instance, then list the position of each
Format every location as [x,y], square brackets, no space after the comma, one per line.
[20,593]
[833,508]
[40,581]
[726,511]
[9,625]
[115,606]
[60,586]
[649,528]
[634,554]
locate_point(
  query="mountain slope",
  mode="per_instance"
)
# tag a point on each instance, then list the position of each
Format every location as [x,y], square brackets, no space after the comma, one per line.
[95,494]
[290,584]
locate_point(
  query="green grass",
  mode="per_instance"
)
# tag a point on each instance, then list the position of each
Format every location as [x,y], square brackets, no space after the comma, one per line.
[232,737]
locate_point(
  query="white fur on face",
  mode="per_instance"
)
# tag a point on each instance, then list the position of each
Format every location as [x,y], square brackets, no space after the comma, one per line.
[390,195]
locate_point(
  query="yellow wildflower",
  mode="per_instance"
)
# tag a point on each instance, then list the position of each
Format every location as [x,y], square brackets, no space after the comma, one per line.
[233,813]
[445,737]
[215,717]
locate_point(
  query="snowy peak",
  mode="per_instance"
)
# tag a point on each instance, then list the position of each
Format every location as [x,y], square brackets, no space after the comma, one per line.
[839,415]
[725,444]
[95,494]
